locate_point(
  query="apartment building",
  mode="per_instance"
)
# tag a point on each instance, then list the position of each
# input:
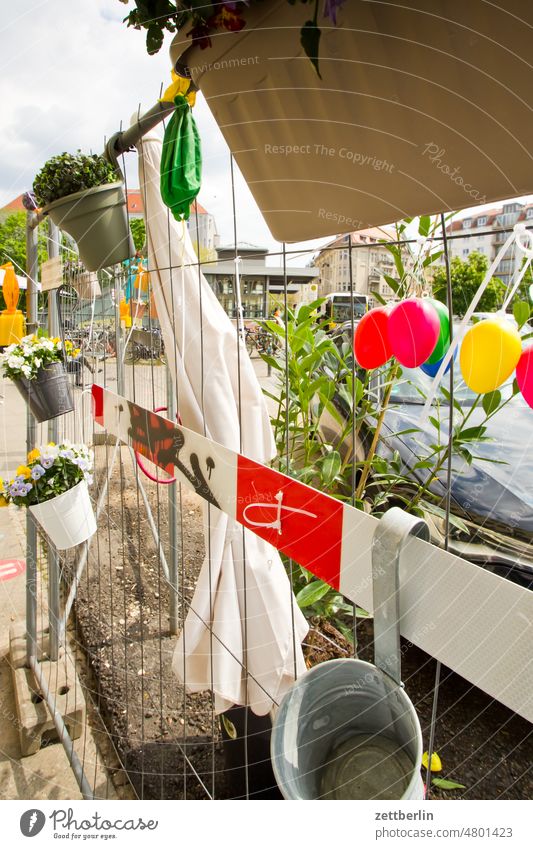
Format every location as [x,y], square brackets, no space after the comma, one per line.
[369,264]
[478,232]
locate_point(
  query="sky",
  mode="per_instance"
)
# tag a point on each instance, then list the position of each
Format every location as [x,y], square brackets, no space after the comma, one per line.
[71,74]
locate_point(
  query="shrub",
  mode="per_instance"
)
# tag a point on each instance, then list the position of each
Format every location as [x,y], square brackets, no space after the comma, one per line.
[69,173]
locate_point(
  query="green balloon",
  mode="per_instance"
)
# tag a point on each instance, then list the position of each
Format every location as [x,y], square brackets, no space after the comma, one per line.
[443,342]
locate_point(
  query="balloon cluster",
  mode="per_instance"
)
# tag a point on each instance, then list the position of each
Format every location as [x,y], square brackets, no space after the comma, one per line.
[417,332]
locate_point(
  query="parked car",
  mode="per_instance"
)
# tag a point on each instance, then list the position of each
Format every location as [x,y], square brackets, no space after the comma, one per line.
[492,500]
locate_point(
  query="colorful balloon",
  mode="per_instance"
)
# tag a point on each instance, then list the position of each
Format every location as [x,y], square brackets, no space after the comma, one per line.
[414,329]
[489,354]
[371,339]
[524,374]
[443,342]
[431,369]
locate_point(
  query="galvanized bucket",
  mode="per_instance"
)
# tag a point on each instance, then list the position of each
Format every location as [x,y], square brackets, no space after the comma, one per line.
[346,730]
[49,394]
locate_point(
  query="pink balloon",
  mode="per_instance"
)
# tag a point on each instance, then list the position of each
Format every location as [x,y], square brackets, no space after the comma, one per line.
[524,374]
[414,329]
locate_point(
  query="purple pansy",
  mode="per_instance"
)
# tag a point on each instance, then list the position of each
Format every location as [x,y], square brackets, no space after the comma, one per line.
[330,9]
[37,472]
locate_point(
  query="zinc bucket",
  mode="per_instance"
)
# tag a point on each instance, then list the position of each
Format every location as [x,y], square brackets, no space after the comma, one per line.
[49,394]
[67,519]
[97,219]
[346,730]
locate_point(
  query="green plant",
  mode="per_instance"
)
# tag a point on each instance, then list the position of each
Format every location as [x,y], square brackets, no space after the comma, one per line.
[68,173]
[50,471]
[25,358]
[204,18]
[138,231]
[349,459]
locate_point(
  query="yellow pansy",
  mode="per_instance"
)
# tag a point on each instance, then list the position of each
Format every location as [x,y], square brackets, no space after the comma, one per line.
[3,502]
[51,445]
[34,455]
[56,340]
[24,471]
[436,764]
[76,352]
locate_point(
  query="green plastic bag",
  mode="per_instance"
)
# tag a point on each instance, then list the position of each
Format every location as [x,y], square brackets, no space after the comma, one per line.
[181,161]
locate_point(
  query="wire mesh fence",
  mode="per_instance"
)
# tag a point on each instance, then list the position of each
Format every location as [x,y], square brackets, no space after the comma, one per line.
[108,612]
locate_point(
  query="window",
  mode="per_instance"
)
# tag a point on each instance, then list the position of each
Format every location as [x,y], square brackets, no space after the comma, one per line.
[467,223]
[529,213]
[482,221]
[466,251]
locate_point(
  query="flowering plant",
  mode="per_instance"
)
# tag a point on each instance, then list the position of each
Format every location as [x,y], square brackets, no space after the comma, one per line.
[25,358]
[50,471]
[204,17]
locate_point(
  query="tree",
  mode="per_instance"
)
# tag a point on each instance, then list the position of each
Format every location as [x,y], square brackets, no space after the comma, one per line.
[138,231]
[466,278]
[13,244]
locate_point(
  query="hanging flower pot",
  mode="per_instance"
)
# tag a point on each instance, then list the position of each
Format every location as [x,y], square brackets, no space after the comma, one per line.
[48,394]
[67,519]
[54,487]
[35,365]
[366,138]
[83,197]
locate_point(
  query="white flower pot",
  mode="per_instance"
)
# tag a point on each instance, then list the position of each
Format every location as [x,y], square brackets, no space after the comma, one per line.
[67,519]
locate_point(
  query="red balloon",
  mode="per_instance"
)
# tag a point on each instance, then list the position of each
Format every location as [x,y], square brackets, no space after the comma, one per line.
[414,329]
[371,339]
[524,374]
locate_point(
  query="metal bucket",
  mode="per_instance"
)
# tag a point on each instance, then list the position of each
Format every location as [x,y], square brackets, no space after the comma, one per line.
[346,730]
[49,394]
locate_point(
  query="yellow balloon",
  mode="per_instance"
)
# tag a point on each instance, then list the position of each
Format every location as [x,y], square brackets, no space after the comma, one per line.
[489,354]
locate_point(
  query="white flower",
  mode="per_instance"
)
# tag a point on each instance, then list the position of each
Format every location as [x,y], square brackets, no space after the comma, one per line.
[26,371]
[37,362]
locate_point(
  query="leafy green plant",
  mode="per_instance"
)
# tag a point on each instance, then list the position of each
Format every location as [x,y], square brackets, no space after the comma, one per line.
[69,173]
[158,16]
[316,380]
[466,278]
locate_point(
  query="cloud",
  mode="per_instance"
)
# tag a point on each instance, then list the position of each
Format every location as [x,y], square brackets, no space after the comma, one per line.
[70,73]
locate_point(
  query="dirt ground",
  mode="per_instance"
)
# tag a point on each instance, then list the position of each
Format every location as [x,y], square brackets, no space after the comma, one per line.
[169,742]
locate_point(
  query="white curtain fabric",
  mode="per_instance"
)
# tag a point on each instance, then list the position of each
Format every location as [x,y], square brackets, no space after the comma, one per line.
[201,346]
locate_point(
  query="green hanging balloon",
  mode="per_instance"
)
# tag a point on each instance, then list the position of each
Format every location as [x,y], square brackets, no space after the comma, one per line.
[181,161]
[443,342]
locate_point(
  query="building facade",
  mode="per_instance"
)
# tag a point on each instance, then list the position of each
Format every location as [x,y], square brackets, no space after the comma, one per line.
[261,285]
[476,232]
[369,264]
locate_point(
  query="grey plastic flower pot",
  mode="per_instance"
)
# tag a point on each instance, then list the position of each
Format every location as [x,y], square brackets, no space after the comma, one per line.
[49,394]
[97,220]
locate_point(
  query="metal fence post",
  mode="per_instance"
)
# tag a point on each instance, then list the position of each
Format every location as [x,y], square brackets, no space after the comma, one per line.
[53,434]
[119,342]
[172,522]
[32,270]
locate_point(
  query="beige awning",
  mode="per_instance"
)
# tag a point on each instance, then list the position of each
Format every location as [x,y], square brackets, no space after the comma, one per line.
[424,106]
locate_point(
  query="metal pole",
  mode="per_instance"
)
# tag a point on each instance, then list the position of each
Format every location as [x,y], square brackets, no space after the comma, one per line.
[393,531]
[119,347]
[123,141]
[172,522]
[32,269]
[53,433]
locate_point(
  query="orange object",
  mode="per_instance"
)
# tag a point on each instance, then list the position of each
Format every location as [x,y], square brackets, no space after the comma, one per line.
[12,323]
[10,289]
